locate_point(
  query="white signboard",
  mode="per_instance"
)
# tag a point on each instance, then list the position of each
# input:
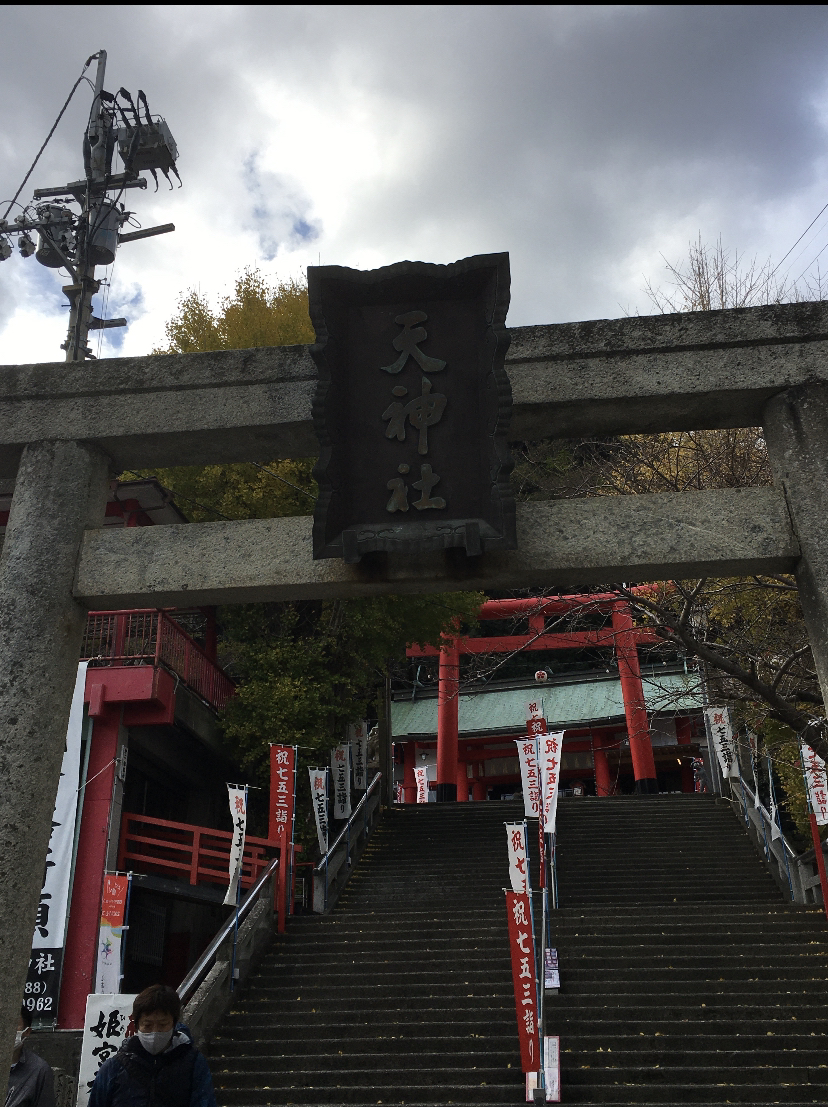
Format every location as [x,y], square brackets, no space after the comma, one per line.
[421,778]
[552,1068]
[817,783]
[551,746]
[529,775]
[341,770]
[319,797]
[43,977]
[107,1024]
[358,738]
[237,798]
[518,861]
[718,722]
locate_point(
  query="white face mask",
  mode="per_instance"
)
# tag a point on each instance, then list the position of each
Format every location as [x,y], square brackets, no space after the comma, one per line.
[155,1041]
[18,1039]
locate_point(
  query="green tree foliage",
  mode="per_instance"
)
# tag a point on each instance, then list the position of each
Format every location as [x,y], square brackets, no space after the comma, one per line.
[304,669]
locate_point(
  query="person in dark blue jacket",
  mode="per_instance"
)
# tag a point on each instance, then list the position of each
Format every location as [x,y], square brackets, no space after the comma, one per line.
[158,1066]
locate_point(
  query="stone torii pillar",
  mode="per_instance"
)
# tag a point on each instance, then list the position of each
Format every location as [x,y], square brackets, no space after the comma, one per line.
[61,490]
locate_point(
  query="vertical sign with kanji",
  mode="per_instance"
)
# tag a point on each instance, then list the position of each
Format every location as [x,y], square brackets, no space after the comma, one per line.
[319,799]
[110,935]
[421,780]
[524,978]
[237,798]
[107,1024]
[721,732]
[341,774]
[518,856]
[358,738]
[282,794]
[815,777]
[550,747]
[530,775]
[43,977]
[412,408]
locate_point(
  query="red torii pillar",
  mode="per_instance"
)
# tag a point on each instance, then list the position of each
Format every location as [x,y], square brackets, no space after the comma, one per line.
[632,690]
[448,702]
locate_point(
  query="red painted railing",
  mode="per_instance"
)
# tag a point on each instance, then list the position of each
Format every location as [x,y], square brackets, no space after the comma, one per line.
[150,637]
[193,854]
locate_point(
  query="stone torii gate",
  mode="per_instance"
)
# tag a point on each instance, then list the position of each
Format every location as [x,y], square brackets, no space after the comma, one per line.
[65,428]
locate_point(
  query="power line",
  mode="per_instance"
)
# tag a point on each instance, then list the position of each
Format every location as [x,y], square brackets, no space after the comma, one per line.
[295,487]
[800,239]
[49,135]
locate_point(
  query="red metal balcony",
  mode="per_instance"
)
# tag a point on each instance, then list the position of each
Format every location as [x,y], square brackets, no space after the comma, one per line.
[194,854]
[151,637]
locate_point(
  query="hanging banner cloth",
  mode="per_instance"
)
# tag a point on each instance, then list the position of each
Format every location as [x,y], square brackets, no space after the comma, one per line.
[319,798]
[341,769]
[529,776]
[551,746]
[817,783]
[113,910]
[107,1024]
[720,730]
[43,977]
[421,777]
[282,793]
[524,978]
[358,739]
[776,831]
[518,860]
[753,745]
[237,798]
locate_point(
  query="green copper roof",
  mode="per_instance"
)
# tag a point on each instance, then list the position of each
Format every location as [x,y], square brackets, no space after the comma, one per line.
[564,704]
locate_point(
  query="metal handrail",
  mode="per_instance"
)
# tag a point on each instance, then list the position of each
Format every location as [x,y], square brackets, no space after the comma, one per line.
[347,826]
[194,977]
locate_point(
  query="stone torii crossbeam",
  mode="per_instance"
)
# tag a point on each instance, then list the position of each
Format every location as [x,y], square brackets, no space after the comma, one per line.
[66,428]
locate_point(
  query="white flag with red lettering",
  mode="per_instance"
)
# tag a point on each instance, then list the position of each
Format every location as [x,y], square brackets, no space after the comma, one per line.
[551,746]
[530,775]
[817,783]
[518,861]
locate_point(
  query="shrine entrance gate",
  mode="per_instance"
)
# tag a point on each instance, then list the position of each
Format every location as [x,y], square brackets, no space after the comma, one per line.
[65,428]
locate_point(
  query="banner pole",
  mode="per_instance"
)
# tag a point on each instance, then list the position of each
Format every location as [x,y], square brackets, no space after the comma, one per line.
[124,928]
[820,860]
[777,821]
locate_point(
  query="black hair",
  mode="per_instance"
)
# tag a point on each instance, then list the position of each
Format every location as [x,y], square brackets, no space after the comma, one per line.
[26,1016]
[158,997]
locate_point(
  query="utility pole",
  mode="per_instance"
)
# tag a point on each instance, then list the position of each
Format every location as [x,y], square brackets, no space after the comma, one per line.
[80,241]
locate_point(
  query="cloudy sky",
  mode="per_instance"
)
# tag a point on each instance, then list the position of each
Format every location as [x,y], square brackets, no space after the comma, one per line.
[586,141]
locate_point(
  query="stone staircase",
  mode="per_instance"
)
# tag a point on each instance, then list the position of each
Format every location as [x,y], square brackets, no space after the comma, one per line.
[685,977]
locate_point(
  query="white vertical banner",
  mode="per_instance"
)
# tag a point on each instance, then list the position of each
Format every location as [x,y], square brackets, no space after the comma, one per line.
[518,860]
[341,769]
[358,738]
[534,708]
[45,963]
[54,897]
[817,783]
[753,745]
[106,1026]
[421,778]
[551,746]
[319,797]
[529,775]
[237,798]
[720,730]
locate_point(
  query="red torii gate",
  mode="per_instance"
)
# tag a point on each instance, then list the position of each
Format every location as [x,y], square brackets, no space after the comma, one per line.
[623,636]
